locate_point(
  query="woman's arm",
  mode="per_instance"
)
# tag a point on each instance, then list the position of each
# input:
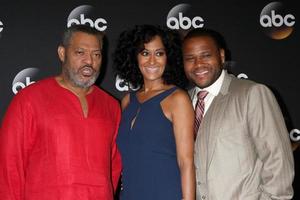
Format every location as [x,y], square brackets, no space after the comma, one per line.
[125,101]
[182,116]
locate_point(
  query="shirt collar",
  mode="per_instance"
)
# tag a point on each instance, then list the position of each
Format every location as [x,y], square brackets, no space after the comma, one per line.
[214,88]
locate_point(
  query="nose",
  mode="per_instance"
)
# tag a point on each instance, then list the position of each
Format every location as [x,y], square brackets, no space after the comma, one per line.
[88,59]
[199,62]
[152,59]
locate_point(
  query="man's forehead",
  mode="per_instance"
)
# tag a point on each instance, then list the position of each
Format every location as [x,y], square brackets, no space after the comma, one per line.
[84,36]
[84,44]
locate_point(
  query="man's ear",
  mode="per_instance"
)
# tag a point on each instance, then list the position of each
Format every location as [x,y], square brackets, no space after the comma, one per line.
[222,54]
[61,53]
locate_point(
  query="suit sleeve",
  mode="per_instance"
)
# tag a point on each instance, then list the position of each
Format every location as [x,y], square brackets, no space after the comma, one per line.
[270,137]
[14,148]
[116,158]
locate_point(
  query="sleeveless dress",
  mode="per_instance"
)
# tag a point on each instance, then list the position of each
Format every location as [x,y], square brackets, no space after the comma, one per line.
[148,150]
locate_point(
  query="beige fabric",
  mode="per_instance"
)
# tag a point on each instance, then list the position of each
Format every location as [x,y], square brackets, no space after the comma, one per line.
[242,150]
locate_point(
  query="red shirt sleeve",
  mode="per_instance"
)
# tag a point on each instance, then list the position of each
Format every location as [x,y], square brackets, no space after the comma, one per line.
[116,157]
[15,140]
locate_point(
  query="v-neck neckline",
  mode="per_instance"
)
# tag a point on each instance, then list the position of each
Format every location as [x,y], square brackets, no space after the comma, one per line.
[87,96]
[151,98]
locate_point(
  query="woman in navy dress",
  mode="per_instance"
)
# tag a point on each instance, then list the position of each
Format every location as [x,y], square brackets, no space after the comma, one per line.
[155,137]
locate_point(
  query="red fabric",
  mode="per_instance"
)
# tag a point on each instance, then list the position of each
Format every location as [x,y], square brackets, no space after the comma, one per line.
[199,110]
[49,151]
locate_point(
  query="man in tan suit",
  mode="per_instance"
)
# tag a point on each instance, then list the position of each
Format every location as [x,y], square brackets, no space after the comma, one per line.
[242,149]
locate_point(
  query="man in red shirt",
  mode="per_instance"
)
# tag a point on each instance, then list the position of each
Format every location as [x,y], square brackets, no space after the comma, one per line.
[57,139]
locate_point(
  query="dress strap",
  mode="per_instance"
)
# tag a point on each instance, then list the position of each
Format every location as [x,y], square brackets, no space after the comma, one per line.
[166,93]
[132,97]
[159,97]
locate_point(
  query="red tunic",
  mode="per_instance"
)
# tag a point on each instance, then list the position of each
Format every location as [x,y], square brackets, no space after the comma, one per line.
[50,151]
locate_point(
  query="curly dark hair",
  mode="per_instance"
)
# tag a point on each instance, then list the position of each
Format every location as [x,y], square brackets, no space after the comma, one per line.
[131,43]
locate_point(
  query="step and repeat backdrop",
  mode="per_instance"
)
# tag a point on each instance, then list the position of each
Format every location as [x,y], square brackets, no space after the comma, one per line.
[263,37]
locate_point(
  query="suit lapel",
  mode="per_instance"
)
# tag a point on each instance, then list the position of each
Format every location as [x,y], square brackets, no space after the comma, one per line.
[192,93]
[200,146]
[213,119]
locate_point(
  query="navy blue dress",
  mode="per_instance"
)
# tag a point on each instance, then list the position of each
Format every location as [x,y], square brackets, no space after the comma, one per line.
[148,150]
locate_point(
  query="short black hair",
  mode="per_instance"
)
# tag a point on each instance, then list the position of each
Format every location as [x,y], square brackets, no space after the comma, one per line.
[216,36]
[68,33]
[131,42]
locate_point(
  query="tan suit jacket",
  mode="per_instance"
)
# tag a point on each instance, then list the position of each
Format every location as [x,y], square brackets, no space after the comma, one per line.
[242,150]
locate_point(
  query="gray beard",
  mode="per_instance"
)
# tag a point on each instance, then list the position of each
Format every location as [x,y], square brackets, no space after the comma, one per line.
[75,79]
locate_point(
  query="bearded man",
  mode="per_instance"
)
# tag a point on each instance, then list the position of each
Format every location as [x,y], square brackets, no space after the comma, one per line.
[57,139]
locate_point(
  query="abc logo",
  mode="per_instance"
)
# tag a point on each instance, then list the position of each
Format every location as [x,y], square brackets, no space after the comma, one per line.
[100,24]
[181,17]
[184,22]
[19,85]
[85,14]
[295,135]
[277,20]
[1,26]
[122,86]
[23,79]
[242,76]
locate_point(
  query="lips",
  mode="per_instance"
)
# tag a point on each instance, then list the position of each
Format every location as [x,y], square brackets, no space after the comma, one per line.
[87,71]
[201,72]
[152,69]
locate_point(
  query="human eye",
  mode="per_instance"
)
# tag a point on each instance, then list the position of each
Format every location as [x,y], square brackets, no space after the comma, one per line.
[79,52]
[206,55]
[97,54]
[188,58]
[144,53]
[160,53]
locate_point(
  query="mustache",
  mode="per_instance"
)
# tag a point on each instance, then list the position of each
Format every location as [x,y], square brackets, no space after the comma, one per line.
[202,68]
[87,66]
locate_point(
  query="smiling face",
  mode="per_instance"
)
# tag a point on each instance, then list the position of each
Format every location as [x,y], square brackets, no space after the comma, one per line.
[152,60]
[203,60]
[81,60]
